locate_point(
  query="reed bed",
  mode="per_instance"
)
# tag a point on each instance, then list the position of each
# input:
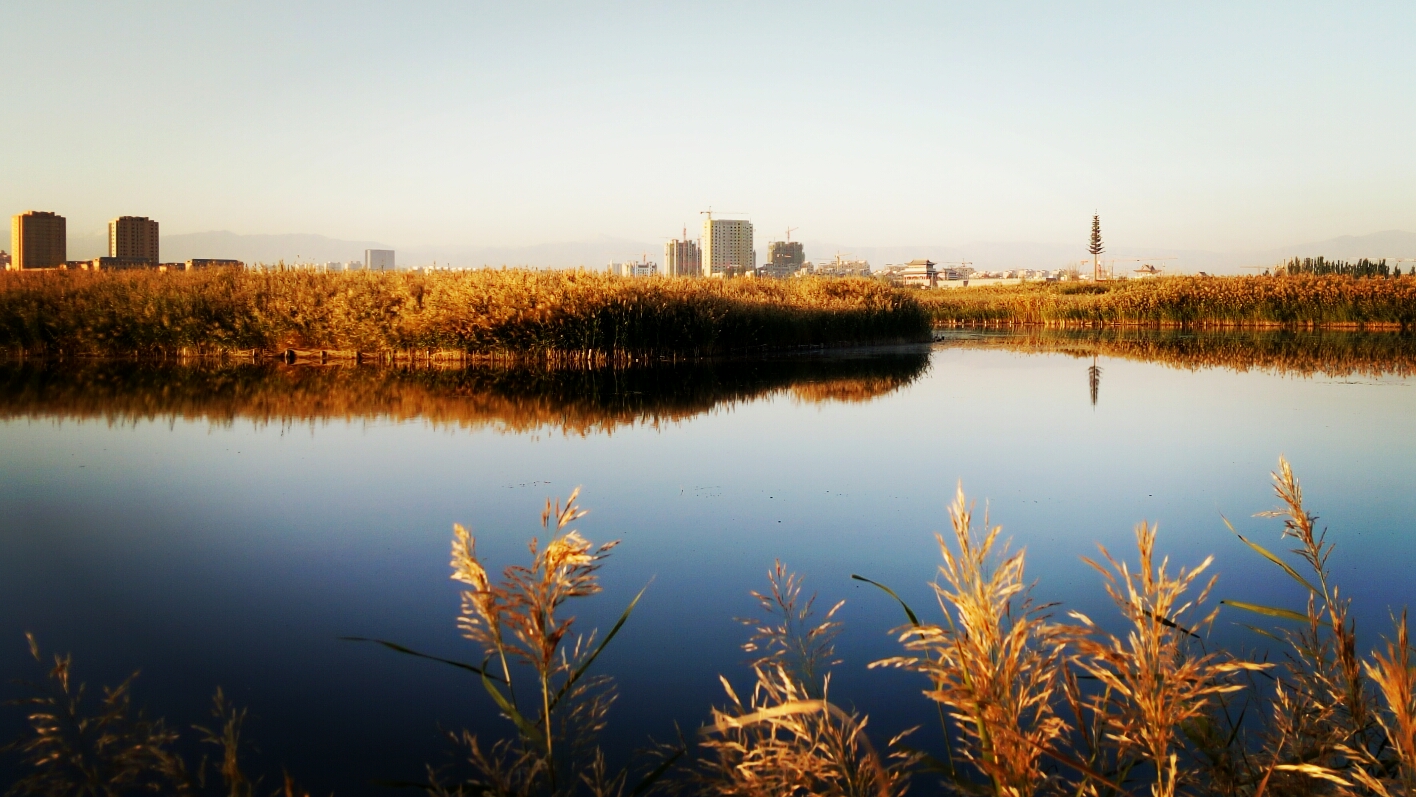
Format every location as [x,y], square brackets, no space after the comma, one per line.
[1334,353]
[1303,301]
[1032,699]
[507,313]
[578,401]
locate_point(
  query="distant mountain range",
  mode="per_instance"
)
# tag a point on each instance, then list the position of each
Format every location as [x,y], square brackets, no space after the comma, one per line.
[595,253]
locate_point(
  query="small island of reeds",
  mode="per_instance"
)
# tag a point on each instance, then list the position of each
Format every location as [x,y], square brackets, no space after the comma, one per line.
[1303,301]
[512,313]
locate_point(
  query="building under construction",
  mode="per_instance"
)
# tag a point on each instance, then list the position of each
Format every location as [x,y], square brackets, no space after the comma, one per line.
[784,258]
[682,258]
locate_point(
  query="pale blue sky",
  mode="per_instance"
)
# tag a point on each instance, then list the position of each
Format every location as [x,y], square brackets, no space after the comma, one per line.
[1209,125]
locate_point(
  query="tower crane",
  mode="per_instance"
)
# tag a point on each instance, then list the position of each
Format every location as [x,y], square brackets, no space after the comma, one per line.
[790,230]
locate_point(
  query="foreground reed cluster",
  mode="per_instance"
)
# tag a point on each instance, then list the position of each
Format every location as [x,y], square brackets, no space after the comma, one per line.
[1301,301]
[1031,699]
[515,312]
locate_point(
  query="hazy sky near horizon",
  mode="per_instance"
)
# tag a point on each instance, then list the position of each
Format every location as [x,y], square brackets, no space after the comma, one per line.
[1229,125]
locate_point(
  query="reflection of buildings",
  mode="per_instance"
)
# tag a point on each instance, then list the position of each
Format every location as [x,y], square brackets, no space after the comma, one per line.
[378,260]
[39,238]
[784,258]
[132,240]
[682,258]
[727,247]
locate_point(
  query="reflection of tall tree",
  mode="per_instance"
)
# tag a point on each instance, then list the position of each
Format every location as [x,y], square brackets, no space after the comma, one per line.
[1094,379]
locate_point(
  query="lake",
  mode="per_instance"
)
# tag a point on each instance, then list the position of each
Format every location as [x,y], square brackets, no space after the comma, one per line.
[225,525]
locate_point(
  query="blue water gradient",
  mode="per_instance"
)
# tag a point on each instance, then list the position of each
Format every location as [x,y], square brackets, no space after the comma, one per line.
[236,554]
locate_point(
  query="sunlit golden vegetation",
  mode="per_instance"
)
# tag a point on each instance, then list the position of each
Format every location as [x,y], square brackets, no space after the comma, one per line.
[514,312]
[1032,699]
[1295,353]
[505,398]
[1289,301]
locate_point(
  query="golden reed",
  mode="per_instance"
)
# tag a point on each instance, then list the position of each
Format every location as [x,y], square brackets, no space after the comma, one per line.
[1303,301]
[518,313]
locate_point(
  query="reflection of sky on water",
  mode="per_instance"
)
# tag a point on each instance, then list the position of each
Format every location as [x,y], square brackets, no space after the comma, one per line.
[235,555]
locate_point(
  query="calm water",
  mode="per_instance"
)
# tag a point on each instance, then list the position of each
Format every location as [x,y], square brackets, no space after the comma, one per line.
[224,526]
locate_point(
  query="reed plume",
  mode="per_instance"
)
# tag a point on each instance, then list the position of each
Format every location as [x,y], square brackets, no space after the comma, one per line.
[992,663]
[1154,681]
[1322,727]
[521,624]
[788,738]
[71,747]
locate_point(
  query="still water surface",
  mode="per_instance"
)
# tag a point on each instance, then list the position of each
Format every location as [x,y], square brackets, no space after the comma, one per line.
[225,525]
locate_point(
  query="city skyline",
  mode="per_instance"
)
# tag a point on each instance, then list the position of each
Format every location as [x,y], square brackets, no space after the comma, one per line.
[1217,127]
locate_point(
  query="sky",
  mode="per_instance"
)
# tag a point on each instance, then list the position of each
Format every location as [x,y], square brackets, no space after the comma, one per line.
[1225,126]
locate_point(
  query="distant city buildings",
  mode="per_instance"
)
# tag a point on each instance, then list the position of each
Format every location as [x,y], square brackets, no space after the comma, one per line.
[203,262]
[919,274]
[784,258]
[4,260]
[839,267]
[39,238]
[378,260]
[682,258]
[727,247]
[115,263]
[644,268]
[133,240]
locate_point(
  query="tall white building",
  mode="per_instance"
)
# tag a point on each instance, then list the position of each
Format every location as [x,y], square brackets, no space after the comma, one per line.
[378,259]
[727,247]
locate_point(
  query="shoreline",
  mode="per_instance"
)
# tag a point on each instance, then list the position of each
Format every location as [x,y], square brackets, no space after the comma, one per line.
[1301,302]
[477,316]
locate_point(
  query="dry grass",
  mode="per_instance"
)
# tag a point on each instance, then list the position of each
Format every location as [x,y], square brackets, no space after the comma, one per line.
[517,313]
[73,747]
[1153,683]
[1298,301]
[788,737]
[521,623]
[993,662]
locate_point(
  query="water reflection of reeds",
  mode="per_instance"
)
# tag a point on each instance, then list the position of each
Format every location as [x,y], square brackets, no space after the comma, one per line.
[510,399]
[1290,353]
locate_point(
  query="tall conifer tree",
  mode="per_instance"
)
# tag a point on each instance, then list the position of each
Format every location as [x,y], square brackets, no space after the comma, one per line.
[1096,247]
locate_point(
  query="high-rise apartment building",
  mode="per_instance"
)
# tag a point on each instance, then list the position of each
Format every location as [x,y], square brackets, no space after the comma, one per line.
[727,247]
[133,239]
[784,258]
[378,260]
[682,258]
[39,238]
